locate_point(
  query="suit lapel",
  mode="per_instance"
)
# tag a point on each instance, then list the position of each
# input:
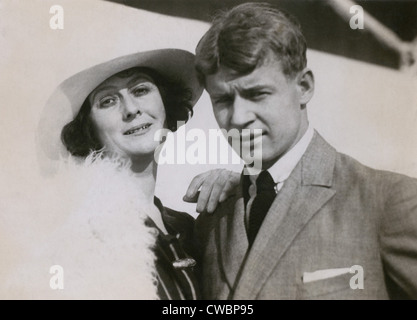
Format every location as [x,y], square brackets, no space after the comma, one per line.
[233,242]
[306,191]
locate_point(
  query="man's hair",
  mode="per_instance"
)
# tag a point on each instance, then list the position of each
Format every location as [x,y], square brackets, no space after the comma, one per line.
[243,37]
[80,138]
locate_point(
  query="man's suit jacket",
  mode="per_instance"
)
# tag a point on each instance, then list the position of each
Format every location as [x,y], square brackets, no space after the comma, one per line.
[331,213]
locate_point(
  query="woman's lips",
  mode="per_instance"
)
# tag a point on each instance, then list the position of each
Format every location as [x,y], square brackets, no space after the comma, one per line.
[137,130]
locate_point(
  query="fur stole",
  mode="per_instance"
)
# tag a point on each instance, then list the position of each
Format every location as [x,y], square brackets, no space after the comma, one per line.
[80,235]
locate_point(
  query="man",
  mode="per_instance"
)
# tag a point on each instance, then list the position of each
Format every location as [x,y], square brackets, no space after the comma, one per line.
[315,223]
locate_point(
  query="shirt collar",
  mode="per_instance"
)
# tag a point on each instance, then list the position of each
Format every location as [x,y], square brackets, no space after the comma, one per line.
[282,169]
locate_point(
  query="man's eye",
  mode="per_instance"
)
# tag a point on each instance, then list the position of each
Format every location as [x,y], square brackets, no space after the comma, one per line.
[107,102]
[223,100]
[257,95]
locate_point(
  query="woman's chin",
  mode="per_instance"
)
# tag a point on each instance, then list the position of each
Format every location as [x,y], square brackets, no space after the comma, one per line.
[142,155]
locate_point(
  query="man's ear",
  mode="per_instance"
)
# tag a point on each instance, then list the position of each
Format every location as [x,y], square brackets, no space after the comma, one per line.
[305,82]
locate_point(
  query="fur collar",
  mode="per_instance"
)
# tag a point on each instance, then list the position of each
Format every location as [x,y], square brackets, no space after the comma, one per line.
[87,220]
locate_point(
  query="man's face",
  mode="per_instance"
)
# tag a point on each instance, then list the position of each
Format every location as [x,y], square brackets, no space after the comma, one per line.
[265,99]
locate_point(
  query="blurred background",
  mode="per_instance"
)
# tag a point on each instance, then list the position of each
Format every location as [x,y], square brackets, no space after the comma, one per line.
[323,22]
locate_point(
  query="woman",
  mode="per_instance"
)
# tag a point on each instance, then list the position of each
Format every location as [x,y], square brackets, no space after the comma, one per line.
[119,112]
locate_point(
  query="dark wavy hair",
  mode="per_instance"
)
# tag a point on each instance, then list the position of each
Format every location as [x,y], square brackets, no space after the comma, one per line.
[80,138]
[242,38]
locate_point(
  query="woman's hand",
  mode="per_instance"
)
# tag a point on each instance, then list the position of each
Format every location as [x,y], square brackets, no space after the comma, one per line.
[210,188]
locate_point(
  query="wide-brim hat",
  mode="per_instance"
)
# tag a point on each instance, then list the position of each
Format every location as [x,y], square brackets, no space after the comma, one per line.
[175,65]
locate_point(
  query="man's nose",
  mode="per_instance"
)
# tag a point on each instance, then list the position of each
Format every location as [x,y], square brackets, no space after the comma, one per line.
[131,108]
[242,114]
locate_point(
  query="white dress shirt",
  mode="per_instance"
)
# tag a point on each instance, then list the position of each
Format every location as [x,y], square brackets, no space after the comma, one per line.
[281,169]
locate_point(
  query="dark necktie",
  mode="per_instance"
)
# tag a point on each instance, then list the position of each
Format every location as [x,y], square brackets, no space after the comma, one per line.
[265,195]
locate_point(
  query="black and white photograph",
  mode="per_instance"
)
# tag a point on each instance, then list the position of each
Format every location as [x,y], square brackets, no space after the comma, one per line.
[208,150]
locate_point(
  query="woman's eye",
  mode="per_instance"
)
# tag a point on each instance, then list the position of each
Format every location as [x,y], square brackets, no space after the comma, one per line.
[107,102]
[140,91]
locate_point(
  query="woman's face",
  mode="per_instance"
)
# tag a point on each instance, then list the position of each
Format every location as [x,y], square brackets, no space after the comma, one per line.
[127,111]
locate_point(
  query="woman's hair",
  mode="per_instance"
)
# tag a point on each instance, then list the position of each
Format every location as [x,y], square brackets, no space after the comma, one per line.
[243,37]
[80,138]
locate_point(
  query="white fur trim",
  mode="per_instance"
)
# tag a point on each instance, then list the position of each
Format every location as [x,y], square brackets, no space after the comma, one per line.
[89,220]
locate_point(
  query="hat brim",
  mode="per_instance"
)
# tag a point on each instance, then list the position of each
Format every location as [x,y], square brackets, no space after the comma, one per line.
[175,65]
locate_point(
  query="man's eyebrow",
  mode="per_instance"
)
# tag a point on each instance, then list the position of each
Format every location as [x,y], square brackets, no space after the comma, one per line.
[256,88]
[225,95]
